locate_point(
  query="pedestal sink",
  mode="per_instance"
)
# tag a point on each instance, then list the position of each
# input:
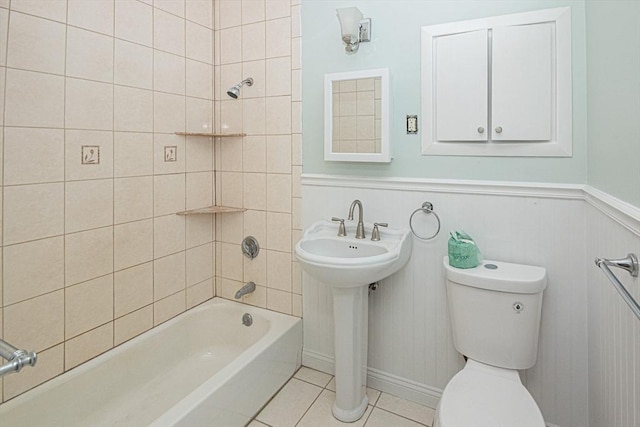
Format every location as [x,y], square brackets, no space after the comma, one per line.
[348,265]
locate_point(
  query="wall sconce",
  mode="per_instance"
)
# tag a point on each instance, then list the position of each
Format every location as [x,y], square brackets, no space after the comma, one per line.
[354,28]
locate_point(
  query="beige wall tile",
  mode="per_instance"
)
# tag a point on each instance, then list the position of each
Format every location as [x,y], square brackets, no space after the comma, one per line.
[89,55]
[199,115]
[133,288]
[175,7]
[296,85]
[231,116]
[229,12]
[199,230]
[45,327]
[88,254]
[200,11]
[133,65]
[168,235]
[278,231]
[34,99]
[278,38]
[279,301]
[278,115]
[33,212]
[169,72]
[296,17]
[255,224]
[88,305]
[52,9]
[230,45]
[252,11]
[133,109]
[168,32]
[88,345]
[96,15]
[278,76]
[163,165]
[36,44]
[229,75]
[168,275]
[230,189]
[133,199]
[199,154]
[254,154]
[4,33]
[74,140]
[88,204]
[88,105]
[32,269]
[199,79]
[279,192]
[50,364]
[255,270]
[199,293]
[134,21]
[168,194]
[199,43]
[133,154]
[199,189]
[253,41]
[255,191]
[226,288]
[133,243]
[33,155]
[169,307]
[256,70]
[133,324]
[279,154]
[231,265]
[168,113]
[277,8]
[279,270]
[256,298]
[199,264]
[229,228]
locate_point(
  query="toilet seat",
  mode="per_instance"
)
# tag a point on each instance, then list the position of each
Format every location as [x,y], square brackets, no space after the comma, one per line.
[485,396]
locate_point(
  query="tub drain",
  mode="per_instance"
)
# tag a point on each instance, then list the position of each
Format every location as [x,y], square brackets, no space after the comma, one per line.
[247,320]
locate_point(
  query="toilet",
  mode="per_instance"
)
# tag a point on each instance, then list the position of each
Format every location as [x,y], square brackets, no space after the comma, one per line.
[495,320]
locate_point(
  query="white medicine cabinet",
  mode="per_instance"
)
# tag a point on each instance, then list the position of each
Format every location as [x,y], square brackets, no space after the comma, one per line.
[498,86]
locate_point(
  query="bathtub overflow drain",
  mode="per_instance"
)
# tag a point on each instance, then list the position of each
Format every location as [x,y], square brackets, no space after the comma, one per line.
[247,320]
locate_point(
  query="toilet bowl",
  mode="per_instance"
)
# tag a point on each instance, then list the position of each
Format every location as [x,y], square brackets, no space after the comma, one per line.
[486,396]
[495,312]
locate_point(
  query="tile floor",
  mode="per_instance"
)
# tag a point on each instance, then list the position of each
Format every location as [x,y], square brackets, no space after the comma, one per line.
[305,401]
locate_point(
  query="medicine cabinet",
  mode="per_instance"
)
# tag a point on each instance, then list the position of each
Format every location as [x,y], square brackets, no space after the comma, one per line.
[498,86]
[356,116]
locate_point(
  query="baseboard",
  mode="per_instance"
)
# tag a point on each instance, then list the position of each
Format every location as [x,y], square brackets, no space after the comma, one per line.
[379,380]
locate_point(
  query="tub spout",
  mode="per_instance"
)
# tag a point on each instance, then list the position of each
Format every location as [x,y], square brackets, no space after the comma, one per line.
[246,289]
[16,358]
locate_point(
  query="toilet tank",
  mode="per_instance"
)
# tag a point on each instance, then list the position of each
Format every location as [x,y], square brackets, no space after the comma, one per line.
[495,312]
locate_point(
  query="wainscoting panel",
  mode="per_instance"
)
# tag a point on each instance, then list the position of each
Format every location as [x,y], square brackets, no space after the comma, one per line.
[411,352]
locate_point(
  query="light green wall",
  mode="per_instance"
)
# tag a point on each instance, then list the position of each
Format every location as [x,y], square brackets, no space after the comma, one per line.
[613,88]
[396,45]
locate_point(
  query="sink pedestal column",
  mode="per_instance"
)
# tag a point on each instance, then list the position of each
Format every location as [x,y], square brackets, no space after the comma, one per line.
[350,316]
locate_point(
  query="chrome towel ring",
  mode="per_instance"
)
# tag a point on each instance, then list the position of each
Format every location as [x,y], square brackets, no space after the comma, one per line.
[427,207]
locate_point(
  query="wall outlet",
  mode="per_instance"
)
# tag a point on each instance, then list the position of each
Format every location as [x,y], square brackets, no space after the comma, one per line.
[412,124]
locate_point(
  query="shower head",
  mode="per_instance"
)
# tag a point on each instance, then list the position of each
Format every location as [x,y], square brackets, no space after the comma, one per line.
[235,90]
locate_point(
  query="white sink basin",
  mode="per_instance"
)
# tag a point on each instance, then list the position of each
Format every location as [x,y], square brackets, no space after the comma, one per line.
[350,262]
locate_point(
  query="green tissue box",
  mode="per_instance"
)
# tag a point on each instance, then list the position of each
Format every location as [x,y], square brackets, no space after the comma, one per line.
[463,251]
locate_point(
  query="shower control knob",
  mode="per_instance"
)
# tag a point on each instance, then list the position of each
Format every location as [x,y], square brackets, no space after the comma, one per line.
[499,129]
[480,129]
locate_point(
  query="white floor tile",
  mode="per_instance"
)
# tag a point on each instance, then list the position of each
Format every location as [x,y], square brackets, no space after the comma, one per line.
[319,415]
[405,408]
[290,404]
[255,423]
[312,376]
[372,394]
[380,418]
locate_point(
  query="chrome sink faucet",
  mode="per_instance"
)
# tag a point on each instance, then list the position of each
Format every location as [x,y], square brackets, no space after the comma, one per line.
[360,227]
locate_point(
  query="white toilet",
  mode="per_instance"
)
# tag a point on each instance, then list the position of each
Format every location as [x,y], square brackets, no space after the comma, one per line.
[495,318]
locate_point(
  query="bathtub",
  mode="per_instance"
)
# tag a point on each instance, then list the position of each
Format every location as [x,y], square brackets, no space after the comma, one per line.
[202,368]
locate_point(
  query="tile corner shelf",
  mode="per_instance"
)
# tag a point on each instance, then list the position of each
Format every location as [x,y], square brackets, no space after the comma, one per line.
[211,210]
[211,135]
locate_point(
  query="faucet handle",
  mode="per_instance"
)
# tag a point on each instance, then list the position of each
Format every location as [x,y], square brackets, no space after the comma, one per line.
[341,230]
[375,234]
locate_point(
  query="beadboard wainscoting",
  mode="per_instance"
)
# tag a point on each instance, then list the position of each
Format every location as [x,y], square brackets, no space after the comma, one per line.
[411,352]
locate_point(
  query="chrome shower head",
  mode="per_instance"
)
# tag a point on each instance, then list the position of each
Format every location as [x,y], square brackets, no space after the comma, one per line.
[234,91]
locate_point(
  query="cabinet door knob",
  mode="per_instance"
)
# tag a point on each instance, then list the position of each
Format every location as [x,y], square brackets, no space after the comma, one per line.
[499,129]
[480,129]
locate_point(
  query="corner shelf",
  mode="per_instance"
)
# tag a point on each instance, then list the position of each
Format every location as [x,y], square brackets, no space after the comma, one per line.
[211,135]
[211,210]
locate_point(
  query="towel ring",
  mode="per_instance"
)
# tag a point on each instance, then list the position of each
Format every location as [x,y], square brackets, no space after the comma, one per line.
[427,207]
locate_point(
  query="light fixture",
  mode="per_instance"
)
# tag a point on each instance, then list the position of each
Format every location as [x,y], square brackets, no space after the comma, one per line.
[354,28]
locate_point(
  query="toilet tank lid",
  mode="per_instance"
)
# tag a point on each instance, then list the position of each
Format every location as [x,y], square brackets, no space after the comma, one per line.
[500,276]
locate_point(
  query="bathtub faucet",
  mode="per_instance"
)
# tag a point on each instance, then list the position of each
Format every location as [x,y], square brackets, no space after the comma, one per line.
[246,289]
[17,358]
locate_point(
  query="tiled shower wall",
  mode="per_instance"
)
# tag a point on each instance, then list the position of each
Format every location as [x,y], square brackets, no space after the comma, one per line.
[261,171]
[92,173]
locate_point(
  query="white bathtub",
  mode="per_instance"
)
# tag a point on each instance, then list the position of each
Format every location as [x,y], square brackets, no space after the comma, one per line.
[202,368]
